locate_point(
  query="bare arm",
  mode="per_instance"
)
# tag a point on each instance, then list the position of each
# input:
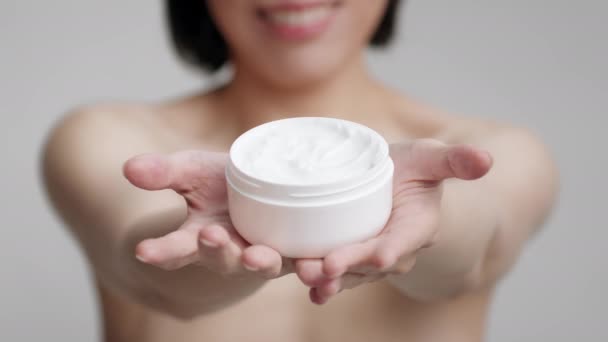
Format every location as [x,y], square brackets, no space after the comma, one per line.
[83,170]
[485,223]
[461,214]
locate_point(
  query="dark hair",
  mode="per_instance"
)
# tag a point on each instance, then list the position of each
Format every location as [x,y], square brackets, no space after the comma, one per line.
[197,40]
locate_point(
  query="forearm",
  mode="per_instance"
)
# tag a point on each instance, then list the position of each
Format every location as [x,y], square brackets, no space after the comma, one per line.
[185,293]
[485,223]
[468,222]
[85,181]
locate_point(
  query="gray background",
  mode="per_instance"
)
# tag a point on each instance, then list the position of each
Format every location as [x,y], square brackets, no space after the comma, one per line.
[539,63]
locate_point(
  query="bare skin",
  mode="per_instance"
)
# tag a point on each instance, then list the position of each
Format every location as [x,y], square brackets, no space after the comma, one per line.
[439,291]
[143,189]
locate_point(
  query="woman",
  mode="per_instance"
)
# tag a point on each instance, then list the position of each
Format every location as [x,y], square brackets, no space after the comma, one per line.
[142,187]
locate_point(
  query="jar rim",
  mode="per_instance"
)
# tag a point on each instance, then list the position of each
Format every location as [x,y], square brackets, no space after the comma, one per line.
[248,183]
[382,154]
[285,195]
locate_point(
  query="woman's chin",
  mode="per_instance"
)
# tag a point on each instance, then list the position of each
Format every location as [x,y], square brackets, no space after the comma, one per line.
[298,75]
[298,80]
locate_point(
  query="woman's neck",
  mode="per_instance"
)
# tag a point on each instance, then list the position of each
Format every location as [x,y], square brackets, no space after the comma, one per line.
[349,93]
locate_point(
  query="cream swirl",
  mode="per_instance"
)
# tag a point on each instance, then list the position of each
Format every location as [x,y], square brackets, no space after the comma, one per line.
[306,151]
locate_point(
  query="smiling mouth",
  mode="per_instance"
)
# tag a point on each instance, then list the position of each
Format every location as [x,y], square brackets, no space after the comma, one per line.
[299,20]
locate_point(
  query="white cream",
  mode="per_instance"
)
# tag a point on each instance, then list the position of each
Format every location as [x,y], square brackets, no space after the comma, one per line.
[308,151]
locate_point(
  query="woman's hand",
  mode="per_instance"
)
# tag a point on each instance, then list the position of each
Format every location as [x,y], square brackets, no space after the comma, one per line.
[207,237]
[420,168]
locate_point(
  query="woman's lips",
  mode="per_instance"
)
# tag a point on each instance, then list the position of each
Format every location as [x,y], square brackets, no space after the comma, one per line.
[297,21]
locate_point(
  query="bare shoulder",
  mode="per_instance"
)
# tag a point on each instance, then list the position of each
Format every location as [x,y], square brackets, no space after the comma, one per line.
[84,154]
[522,160]
[88,137]
[97,123]
[454,128]
[524,178]
[520,154]
[86,148]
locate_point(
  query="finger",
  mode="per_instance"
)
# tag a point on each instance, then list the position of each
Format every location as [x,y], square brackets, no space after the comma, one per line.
[348,281]
[385,260]
[172,251]
[398,247]
[148,171]
[362,269]
[310,271]
[405,236]
[467,162]
[402,266]
[381,253]
[181,171]
[432,160]
[352,280]
[329,288]
[320,295]
[315,298]
[339,261]
[218,252]
[213,236]
[262,259]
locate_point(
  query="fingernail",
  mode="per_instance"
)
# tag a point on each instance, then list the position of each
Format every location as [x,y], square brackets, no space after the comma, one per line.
[140,258]
[208,243]
[250,268]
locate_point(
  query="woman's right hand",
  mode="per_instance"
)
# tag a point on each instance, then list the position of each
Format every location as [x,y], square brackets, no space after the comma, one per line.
[207,236]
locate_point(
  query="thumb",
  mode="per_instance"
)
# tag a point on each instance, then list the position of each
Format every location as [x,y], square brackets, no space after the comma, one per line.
[433,160]
[180,171]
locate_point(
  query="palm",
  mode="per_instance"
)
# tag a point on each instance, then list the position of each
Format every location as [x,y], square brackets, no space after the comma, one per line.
[205,194]
[207,236]
[420,168]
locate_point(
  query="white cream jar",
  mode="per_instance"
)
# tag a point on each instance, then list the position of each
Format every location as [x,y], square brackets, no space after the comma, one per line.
[305,186]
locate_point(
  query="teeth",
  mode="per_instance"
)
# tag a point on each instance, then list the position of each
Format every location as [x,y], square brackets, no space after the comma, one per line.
[300,17]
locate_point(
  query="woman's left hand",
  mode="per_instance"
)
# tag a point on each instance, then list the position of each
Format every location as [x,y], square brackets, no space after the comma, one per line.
[420,168]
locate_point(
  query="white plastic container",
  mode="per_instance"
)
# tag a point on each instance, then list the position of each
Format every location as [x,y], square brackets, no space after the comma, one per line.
[305,186]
